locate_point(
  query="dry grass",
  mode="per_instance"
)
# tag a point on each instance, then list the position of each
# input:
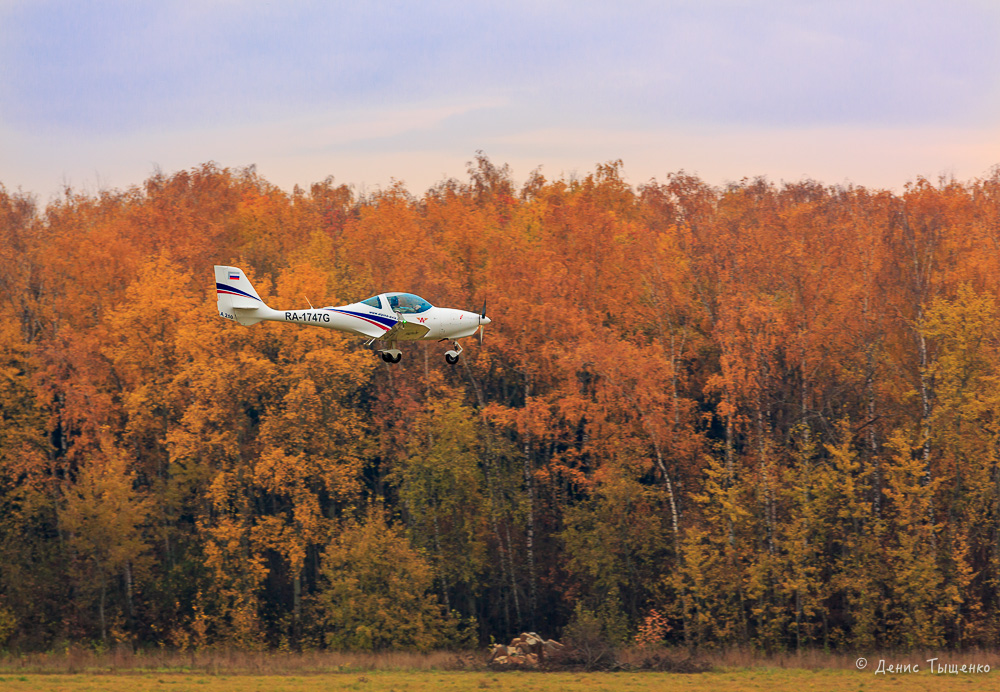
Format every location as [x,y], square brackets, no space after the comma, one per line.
[234,662]
[769,680]
[78,660]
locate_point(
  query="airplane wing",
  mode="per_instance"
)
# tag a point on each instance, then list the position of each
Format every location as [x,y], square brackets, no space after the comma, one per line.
[405,331]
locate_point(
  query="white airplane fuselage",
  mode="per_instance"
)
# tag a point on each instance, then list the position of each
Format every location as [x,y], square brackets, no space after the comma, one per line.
[386,317]
[360,319]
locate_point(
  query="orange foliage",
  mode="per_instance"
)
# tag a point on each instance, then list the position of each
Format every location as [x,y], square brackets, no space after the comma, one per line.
[760,414]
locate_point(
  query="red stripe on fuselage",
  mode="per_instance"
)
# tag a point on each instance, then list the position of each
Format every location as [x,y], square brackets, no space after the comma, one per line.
[382,326]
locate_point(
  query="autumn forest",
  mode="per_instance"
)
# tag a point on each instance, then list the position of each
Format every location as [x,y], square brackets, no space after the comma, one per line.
[753,414]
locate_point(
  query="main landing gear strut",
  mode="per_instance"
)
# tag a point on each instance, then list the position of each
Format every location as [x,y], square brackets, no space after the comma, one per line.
[394,355]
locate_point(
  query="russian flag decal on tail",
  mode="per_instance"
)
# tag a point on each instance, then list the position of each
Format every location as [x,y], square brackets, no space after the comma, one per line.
[234,276]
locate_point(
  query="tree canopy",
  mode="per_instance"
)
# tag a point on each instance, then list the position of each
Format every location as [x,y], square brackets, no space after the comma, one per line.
[761,414]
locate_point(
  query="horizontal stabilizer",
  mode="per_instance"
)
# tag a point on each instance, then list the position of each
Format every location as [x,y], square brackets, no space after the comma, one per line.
[247,316]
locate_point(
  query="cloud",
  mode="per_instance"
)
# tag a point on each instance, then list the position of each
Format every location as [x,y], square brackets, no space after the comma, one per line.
[301,148]
[118,66]
[115,86]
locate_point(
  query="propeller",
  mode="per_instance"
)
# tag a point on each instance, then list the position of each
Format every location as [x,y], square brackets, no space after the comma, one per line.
[483,321]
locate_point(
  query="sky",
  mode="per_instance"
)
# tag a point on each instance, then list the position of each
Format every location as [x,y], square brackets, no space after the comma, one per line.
[102,94]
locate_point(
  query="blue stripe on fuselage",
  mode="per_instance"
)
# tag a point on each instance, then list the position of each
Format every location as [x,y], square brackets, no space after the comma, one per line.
[387,321]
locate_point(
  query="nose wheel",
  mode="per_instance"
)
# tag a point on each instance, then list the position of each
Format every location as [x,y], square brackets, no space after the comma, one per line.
[452,356]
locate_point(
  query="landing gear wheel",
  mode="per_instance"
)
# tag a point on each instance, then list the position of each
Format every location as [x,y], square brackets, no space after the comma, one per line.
[452,356]
[391,355]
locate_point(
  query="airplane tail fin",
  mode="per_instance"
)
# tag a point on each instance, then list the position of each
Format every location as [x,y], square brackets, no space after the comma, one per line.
[237,296]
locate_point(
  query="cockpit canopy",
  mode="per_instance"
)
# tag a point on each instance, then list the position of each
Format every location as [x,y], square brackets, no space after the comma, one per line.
[407,303]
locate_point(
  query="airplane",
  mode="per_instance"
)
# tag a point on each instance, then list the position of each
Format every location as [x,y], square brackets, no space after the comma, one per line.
[387,318]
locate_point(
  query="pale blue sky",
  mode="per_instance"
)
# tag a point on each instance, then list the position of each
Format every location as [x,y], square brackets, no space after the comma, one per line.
[873,92]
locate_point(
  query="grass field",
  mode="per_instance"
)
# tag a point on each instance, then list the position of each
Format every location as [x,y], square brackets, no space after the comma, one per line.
[80,670]
[770,680]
